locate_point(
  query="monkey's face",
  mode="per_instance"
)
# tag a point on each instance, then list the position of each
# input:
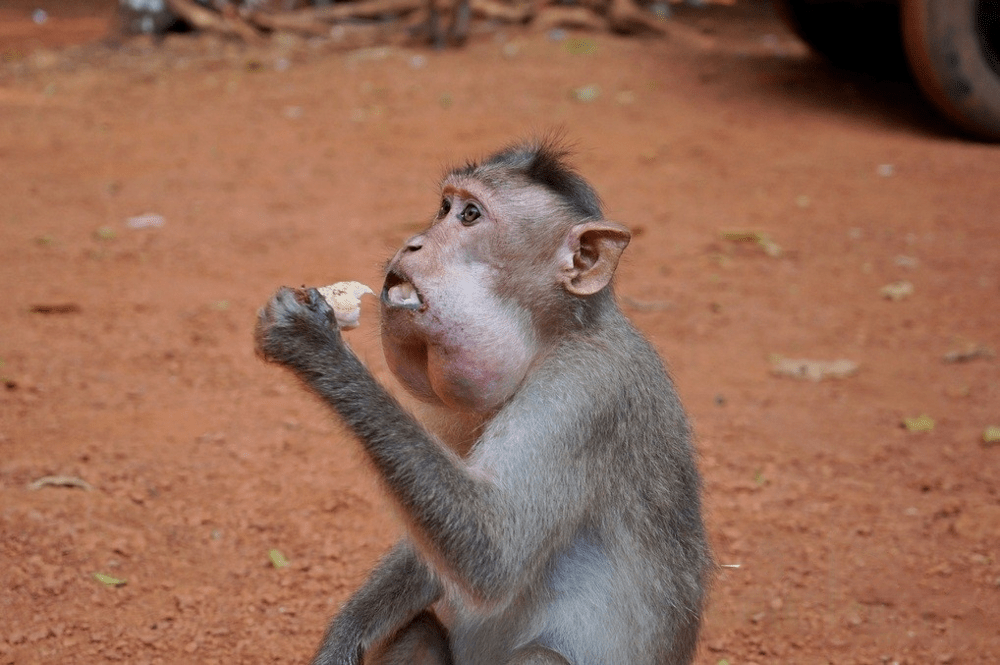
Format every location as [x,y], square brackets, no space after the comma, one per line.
[453,331]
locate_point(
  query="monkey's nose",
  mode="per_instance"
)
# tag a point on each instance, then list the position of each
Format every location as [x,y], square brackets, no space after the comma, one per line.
[415,243]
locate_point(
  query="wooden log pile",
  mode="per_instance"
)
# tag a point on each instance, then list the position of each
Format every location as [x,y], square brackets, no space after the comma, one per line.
[439,22]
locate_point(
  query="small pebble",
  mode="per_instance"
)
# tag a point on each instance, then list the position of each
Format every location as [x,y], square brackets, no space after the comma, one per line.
[510,50]
[625,97]
[897,291]
[145,222]
[660,10]
[586,93]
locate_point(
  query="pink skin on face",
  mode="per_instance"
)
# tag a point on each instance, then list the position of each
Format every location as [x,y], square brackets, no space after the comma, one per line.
[460,344]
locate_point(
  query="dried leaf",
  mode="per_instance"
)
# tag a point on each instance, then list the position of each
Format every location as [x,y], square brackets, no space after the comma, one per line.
[770,247]
[814,370]
[580,46]
[278,559]
[897,291]
[967,352]
[921,423]
[109,580]
[55,308]
[60,481]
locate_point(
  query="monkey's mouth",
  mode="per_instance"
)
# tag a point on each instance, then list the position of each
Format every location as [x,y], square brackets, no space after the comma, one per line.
[399,292]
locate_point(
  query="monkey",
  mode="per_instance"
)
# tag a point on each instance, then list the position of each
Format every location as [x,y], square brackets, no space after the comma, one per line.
[569,529]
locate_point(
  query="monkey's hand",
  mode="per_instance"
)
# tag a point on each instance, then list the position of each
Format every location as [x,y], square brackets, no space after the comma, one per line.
[295,328]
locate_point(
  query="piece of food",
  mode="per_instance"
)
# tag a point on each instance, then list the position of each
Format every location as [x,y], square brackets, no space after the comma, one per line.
[345,299]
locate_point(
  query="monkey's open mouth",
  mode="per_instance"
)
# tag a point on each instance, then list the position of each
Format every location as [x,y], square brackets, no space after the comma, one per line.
[400,292]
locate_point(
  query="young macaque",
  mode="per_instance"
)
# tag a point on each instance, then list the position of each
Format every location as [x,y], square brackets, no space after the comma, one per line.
[569,529]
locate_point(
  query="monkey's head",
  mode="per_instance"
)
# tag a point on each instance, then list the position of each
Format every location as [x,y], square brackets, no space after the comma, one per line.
[518,255]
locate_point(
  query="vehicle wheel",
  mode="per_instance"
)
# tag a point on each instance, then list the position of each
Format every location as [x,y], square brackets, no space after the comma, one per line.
[954,51]
[860,35]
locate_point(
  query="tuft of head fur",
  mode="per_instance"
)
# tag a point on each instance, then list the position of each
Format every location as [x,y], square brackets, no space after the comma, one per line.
[543,162]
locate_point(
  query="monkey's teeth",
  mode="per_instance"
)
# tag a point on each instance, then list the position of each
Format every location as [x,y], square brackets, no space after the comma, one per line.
[404,295]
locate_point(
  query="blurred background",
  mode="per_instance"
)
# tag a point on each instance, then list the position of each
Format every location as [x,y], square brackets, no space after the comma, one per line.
[815,254]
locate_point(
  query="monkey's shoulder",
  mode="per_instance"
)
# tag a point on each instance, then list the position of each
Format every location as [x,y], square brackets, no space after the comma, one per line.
[608,385]
[614,364]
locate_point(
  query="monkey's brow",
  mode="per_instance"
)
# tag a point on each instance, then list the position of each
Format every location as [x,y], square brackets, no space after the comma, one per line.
[462,192]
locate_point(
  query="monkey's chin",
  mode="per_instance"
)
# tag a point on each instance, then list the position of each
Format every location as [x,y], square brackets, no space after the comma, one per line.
[400,293]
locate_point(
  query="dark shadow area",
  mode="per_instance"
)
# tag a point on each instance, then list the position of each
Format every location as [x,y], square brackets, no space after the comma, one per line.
[861,37]
[868,83]
[891,101]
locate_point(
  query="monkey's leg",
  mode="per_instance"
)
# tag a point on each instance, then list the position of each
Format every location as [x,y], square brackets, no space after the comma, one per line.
[399,590]
[423,642]
[535,654]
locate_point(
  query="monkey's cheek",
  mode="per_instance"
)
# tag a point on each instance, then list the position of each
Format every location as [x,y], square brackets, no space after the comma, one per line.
[409,364]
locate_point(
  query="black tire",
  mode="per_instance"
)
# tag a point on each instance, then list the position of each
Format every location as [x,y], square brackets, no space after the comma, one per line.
[858,35]
[953,47]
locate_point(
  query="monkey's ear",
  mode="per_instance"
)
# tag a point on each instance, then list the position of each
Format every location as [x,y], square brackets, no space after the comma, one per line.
[590,255]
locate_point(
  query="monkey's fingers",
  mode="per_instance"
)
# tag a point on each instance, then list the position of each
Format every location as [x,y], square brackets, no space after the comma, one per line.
[270,318]
[345,300]
[260,334]
[280,334]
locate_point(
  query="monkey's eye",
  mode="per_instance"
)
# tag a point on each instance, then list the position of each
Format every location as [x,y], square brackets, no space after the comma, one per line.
[470,214]
[445,207]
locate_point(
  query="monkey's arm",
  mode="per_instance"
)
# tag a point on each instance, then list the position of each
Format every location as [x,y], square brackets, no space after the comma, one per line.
[467,520]
[399,588]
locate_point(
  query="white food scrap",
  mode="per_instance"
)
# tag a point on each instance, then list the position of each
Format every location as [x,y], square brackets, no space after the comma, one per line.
[345,299]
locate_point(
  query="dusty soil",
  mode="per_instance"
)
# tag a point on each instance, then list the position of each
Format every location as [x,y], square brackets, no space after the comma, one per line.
[127,360]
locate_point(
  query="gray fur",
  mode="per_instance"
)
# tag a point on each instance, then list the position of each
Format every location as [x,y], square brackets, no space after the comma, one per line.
[570,532]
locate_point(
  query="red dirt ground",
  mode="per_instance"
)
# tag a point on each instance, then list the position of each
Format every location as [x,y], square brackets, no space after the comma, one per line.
[127,358]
